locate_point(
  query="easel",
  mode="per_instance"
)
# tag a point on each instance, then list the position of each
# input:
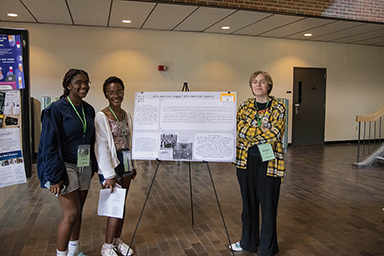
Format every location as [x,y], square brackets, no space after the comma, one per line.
[184,89]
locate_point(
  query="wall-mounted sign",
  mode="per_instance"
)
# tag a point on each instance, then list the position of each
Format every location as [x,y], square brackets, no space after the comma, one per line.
[11,63]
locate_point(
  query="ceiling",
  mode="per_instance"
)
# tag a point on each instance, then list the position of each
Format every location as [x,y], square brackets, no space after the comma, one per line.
[177,17]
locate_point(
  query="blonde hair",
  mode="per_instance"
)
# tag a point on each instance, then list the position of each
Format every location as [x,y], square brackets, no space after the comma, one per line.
[267,78]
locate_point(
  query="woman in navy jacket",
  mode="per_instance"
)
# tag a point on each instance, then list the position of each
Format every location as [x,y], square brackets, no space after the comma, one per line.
[66,159]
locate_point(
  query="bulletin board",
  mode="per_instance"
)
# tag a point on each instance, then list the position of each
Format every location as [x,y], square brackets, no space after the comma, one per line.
[15,125]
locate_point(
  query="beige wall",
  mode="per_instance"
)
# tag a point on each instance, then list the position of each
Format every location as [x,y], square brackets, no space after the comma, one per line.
[208,62]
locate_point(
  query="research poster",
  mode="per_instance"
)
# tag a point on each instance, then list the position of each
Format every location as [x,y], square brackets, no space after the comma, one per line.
[10,109]
[11,63]
[12,170]
[185,126]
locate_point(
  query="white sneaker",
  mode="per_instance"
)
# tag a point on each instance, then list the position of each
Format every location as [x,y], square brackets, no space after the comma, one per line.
[236,247]
[123,248]
[107,251]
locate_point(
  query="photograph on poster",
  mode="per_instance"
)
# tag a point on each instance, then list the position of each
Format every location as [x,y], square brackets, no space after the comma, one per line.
[185,126]
[10,109]
[2,101]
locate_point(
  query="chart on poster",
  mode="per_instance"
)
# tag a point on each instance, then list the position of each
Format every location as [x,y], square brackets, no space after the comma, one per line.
[185,126]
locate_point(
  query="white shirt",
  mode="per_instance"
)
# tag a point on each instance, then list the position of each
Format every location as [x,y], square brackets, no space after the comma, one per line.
[105,150]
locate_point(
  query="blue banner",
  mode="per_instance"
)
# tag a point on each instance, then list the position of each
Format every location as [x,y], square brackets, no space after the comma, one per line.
[10,155]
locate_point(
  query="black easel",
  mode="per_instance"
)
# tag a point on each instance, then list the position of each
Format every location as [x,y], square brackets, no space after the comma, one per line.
[184,89]
[214,189]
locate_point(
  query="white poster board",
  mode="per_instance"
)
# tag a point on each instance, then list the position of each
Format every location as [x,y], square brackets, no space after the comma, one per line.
[185,126]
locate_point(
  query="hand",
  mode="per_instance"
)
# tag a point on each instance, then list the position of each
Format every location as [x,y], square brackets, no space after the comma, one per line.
[134,174]
[55,189]
[109,183]
[265,129]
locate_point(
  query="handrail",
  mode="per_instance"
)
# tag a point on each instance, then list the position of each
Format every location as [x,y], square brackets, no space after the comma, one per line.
[371,118]
[374,128]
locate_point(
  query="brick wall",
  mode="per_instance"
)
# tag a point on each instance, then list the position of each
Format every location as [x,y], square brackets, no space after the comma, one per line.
[365,10]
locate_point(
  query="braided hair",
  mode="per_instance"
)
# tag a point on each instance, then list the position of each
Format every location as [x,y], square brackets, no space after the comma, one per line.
[68,78]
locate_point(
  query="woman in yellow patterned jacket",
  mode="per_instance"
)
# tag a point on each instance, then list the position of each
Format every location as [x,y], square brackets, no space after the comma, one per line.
[260,165]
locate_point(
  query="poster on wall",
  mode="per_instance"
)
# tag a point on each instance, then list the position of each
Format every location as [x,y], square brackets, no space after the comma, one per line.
[11,63]
[185,126]
[10,109]
[12,170]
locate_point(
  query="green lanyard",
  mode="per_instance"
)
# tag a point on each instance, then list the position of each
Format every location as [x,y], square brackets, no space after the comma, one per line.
[257,114]
[121,129]
[84,122]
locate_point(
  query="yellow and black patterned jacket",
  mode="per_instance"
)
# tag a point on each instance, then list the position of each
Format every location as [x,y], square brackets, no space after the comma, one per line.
[248,135]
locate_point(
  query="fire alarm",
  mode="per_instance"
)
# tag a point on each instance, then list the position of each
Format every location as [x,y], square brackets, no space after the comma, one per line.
[162,68]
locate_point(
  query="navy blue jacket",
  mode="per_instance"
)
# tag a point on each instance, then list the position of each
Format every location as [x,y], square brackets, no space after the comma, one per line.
[61,134]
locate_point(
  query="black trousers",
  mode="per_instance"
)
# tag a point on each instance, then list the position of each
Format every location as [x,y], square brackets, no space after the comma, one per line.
[259,189]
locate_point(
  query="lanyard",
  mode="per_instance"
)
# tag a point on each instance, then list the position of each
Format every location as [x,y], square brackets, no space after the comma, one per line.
[84,122]
[257,114]
[121,129]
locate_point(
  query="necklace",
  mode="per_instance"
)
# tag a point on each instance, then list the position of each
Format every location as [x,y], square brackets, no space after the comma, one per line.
[124,132]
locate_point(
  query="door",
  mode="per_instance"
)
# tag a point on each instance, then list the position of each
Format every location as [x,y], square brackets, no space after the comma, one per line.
[308,106]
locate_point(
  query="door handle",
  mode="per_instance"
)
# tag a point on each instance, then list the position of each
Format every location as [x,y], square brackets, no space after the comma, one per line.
[297,109]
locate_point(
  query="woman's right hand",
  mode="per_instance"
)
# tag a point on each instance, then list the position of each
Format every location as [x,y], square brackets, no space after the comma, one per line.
[55,189]
[109,183]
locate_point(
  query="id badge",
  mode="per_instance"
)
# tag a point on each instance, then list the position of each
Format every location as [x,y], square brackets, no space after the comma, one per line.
[266,152]
[83,155]
[127,161]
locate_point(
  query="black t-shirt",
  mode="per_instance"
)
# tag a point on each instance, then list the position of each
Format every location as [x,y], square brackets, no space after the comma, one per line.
[261,109]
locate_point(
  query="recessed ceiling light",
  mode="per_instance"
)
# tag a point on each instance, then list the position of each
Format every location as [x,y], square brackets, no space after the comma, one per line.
[126,21]
[225,27]
[12,14]
[308,34]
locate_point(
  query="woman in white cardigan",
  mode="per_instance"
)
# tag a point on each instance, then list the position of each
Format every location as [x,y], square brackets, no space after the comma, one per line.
[113,152]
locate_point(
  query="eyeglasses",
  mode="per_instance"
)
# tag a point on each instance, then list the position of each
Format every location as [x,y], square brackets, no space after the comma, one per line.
[79,83]
[118,93]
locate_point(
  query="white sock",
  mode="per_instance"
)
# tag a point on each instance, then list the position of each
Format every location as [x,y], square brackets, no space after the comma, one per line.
[106,246]
[73,248]
[61,253]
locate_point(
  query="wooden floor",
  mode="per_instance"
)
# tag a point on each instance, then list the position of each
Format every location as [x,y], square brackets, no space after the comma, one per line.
[327,207]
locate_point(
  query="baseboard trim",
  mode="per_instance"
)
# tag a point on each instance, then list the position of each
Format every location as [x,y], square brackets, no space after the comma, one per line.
[334,142]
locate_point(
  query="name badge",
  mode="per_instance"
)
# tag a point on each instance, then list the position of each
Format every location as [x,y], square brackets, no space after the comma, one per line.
[83,155]
[127,161]
[266,152]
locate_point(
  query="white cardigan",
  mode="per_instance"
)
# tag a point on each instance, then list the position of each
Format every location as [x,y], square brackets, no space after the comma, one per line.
[105,149]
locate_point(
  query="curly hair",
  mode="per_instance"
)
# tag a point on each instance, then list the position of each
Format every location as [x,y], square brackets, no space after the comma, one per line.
[112,80]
